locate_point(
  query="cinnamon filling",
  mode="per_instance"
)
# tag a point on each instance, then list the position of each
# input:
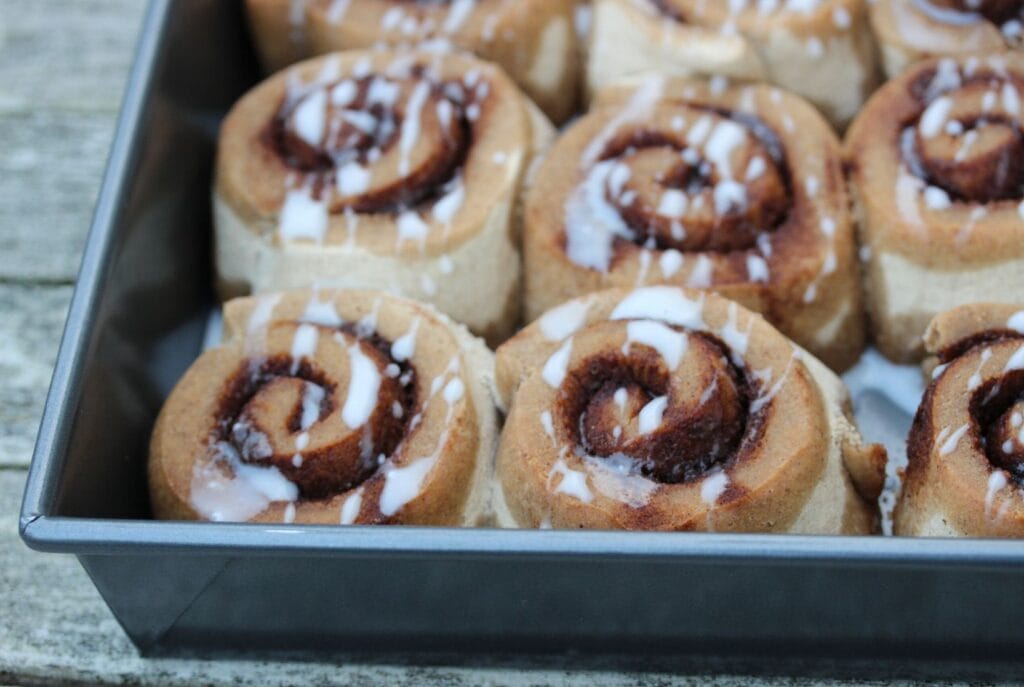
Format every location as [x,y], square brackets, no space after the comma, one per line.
[269,402]
[997,408]
[716,191]
[968,141]
[376,144]
[674,427]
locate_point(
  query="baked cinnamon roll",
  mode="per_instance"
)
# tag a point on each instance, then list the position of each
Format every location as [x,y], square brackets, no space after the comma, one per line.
[534,41]
[911,30]
[392,171]
[821,49]
[735,188]
[965,475]
[936,163]
[333,407]
[670,409]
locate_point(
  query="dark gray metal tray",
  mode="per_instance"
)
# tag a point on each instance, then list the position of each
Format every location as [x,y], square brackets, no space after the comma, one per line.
[136,322]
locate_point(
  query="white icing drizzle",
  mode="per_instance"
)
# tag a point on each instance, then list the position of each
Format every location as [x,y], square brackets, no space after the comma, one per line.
[403,484]
[564,320]
[336,10]
[410,132]
[448,206]
[303,344]
[573,482]
[996,481]
[636,110]
[404,347]
[363,388]
[353,179]
[312,399]
[703,273]
[618,477]
[713,486]
[1016,322]
[591,222]
[663,303]
[650,416]
[1016,361]
[555,368]
[670,344]
[950,444]
[737,340]
[975,381]
[670,262]
[237,497]
[757,269]
[764,399]
[261,314]
[548,424]
[350,507]
[933,120]
[309,119]
[411,227]
[321,312]
[303,216]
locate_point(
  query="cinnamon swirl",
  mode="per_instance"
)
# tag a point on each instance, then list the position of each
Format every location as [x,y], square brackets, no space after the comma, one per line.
[334,407]
[735,188]
[965,475]
[394,171]
[670,409]
[534,41]
[937,171]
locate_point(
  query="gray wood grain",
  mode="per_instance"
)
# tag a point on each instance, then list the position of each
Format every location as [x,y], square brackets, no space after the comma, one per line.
[29,336]
[51,166]
[63,66]
[65,54]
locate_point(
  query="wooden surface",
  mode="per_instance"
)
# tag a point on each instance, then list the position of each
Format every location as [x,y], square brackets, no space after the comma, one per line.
[62,68]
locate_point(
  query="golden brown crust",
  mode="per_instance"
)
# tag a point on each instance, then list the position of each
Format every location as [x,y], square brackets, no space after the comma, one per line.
[671,409]
[935,163]
[965,449]
[823,50]
[338,407]
[760,212]
[396,171]
[910,30]
[532,40]
[259,161]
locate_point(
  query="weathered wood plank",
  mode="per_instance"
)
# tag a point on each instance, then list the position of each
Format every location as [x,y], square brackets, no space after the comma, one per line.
[63,64]
[29,336]
[65,54]
[51,165]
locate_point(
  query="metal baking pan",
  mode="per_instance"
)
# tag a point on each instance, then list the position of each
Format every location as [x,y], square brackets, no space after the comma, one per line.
[136,322]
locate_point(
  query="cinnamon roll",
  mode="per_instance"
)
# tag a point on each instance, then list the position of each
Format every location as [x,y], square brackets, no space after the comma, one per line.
[335,407]
[965,472]
[670,409]
[279,32]
[735,188]
[533,40]
[821,49]
[936,165]
[910,30]
[392,171]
